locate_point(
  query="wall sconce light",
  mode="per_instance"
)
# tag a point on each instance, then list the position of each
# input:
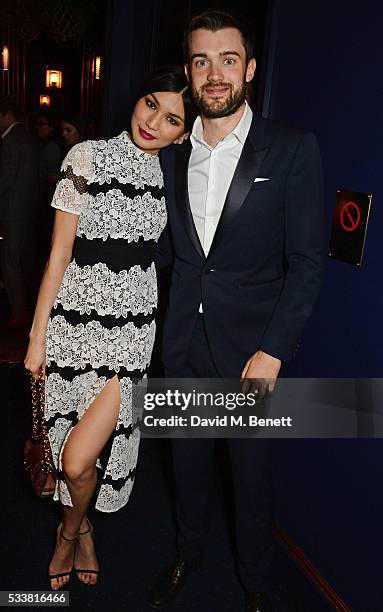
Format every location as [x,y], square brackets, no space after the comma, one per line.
[97,67]
[5,57]
[45,100]
[53,79]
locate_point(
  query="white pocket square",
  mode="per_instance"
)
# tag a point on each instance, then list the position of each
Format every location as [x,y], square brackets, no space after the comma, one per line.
[259,179]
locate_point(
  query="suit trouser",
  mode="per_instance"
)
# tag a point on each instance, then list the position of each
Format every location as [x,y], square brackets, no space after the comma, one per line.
[251,474]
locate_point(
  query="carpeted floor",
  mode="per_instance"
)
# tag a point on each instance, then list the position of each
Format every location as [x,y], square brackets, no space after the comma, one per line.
[133,544]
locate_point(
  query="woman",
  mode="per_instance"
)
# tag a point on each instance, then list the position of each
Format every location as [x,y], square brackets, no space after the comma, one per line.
[74,129]
[94,325]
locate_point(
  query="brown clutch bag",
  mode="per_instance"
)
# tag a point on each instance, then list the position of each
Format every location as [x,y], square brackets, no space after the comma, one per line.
[37,451]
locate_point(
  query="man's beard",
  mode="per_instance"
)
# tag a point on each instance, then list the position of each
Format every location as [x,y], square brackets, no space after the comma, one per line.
[215,108]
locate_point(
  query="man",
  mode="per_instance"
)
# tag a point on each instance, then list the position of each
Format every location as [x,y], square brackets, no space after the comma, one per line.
[245,238]
[18,199]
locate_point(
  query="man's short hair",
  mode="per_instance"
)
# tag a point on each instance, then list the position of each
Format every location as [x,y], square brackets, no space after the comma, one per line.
[213,21]
[9,104]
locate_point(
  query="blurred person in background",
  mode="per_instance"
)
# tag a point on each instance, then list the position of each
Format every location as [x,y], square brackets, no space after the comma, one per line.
[50,153]
[19,179]
[46,128]
[74,129]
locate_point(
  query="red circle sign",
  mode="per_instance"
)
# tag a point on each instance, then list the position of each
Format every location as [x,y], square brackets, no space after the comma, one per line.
[349,216]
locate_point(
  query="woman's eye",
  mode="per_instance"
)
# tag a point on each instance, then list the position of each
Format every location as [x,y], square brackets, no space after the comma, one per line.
[150,104]
[172,121]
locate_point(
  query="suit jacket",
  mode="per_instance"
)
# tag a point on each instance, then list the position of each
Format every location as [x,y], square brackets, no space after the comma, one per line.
[19,167]
[262,276]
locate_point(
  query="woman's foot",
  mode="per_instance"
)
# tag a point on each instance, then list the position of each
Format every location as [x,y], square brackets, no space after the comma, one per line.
[86,565]
[61,565]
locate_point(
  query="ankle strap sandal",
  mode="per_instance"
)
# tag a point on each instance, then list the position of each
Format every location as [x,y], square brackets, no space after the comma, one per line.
[79,570]
[61,536]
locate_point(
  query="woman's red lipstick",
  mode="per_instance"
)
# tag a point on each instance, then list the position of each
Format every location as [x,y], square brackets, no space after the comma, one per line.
[146,135]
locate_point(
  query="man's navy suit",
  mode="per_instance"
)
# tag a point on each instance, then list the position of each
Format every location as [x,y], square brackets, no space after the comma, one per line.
[257,286]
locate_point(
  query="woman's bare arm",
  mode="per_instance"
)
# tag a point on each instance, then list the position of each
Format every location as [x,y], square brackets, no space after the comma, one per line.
[64,233]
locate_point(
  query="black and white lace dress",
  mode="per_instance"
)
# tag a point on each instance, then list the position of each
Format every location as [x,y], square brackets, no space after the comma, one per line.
[102,322]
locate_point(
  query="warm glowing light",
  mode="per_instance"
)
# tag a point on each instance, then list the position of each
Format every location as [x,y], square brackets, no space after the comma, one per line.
[53,79]
[5,57]
[44,99]
[98,67]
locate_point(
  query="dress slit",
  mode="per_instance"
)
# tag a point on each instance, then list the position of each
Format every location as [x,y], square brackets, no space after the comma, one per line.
[62,490]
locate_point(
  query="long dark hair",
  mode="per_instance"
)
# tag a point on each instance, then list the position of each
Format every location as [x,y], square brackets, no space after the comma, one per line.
[170,78]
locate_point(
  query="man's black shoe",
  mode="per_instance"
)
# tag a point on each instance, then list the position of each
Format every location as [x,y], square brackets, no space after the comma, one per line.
[258,602]
[169,583]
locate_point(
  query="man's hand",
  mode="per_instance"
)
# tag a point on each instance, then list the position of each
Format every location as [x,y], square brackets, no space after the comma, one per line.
[260,374]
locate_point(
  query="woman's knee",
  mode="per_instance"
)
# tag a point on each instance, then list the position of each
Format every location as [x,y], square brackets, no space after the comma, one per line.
[75,469]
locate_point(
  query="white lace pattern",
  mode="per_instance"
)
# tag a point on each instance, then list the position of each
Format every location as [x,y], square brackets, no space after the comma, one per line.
[120,158]
[99,289]
[79,345]
[68,199]
[80,160]
[113,215]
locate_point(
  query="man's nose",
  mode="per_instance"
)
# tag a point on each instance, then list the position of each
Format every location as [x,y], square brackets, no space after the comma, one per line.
[215,73]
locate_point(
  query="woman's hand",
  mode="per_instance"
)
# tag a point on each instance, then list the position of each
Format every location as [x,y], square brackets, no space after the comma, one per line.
[35,357]
[181,139]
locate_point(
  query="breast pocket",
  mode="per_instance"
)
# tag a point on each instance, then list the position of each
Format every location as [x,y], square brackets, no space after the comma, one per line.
[260,185]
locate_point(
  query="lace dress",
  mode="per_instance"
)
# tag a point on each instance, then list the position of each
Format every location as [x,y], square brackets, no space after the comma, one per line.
[102,322]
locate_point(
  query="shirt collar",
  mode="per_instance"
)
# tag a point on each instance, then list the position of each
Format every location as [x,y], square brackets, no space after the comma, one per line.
[6,132]
[240,131]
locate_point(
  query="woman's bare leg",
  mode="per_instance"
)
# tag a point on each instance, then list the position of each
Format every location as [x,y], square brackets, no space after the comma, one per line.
[82,448]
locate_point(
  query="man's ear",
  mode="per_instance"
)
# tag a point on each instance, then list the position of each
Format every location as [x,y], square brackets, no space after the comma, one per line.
[187,71]
[250,70]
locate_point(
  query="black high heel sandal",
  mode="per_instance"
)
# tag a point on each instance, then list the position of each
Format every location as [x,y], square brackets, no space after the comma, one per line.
[79,570]
[62,574]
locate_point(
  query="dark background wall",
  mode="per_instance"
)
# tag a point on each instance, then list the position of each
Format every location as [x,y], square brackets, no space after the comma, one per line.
[142,36]
[326,78]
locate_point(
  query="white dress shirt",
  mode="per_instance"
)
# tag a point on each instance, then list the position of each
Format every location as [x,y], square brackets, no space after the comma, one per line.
[211,171]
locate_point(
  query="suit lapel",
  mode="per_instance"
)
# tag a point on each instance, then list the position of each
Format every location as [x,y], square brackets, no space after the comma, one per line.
[182,156]
[249,164]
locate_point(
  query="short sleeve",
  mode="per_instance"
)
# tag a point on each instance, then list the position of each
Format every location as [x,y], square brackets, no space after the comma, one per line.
[76,171]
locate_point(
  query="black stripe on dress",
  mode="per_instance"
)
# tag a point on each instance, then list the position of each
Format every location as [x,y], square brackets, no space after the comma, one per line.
[68,372]
[117,253]
[128,190]
[73,317]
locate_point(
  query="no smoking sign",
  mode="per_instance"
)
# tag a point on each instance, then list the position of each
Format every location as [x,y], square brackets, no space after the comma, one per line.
[349,228]
[349,216]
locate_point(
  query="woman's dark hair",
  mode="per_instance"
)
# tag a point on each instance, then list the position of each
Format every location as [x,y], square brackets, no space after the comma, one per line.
[173,79]
[213,21]
[80,123]
[50,115]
